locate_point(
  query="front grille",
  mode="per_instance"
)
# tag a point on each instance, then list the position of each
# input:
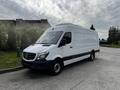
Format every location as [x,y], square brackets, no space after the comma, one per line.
[29,56]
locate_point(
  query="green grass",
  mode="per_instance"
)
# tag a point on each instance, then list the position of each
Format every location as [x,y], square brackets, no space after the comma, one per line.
[9,60]
[111,45]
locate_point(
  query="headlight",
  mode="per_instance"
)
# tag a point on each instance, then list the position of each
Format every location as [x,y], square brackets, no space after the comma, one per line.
[42,55]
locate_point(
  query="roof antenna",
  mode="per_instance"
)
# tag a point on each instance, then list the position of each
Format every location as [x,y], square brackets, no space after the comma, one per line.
[92,27]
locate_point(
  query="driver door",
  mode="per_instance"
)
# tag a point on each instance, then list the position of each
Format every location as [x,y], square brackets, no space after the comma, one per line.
[65,45]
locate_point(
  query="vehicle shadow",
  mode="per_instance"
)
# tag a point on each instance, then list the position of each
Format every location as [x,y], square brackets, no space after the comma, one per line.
[34,74]
[76,64]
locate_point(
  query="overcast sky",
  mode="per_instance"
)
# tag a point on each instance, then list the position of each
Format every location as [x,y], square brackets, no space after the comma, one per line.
[101,13]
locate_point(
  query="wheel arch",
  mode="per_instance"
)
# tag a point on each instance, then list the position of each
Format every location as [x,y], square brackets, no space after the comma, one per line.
[59,59]
[92,50]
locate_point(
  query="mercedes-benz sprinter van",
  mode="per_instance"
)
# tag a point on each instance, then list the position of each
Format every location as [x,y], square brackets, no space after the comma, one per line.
[61,45]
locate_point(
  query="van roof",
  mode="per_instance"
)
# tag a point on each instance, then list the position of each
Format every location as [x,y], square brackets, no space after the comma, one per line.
[69,24]
[68,27]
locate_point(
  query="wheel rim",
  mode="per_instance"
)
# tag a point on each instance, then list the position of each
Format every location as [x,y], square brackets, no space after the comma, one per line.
[57,67]
[92,56]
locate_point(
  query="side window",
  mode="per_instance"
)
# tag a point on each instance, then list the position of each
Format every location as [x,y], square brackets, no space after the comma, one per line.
[67,37]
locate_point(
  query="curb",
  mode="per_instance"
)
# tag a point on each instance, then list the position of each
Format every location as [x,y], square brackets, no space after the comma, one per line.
[11,69]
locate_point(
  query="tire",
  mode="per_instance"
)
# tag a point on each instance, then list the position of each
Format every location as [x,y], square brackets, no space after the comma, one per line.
[92,56]
[56,68]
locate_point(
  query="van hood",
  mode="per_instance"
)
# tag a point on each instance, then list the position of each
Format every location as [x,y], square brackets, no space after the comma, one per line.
[37,48]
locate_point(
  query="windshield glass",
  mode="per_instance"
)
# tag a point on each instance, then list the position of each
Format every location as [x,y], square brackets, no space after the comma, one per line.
[50,37]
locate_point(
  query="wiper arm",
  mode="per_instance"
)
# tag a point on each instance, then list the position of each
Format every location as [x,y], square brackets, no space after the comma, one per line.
[40,43]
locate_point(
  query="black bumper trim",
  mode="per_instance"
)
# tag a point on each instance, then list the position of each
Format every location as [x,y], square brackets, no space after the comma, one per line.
[38,64]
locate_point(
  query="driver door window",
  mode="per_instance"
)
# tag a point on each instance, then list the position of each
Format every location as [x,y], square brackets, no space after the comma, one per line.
[66,39]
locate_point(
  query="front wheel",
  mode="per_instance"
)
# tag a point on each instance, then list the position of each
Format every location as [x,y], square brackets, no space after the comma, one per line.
[56,68]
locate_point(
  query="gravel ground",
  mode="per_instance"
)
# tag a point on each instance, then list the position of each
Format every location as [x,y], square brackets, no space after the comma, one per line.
[101,74]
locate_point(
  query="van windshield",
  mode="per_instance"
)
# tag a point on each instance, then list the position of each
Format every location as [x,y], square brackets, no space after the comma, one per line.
[49,37]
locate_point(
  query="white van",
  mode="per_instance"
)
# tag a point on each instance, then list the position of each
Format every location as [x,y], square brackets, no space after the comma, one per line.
[61,45]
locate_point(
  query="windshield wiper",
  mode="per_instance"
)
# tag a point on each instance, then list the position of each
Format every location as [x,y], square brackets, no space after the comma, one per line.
[43,43]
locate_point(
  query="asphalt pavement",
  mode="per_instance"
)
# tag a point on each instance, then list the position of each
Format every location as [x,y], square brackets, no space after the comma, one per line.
[101,74]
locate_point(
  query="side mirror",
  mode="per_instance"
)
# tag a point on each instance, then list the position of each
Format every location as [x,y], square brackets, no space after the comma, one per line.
[62,43]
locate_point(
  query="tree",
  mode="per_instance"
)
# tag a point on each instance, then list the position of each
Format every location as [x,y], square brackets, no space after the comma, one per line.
[114,35]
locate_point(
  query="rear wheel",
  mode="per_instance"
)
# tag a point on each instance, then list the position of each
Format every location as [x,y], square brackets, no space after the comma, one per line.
[92,56]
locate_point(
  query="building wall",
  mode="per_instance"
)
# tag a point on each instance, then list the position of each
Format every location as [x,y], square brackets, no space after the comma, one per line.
[20,33]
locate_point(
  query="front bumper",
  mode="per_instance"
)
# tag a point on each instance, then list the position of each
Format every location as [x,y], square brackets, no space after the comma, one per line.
[41,64]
